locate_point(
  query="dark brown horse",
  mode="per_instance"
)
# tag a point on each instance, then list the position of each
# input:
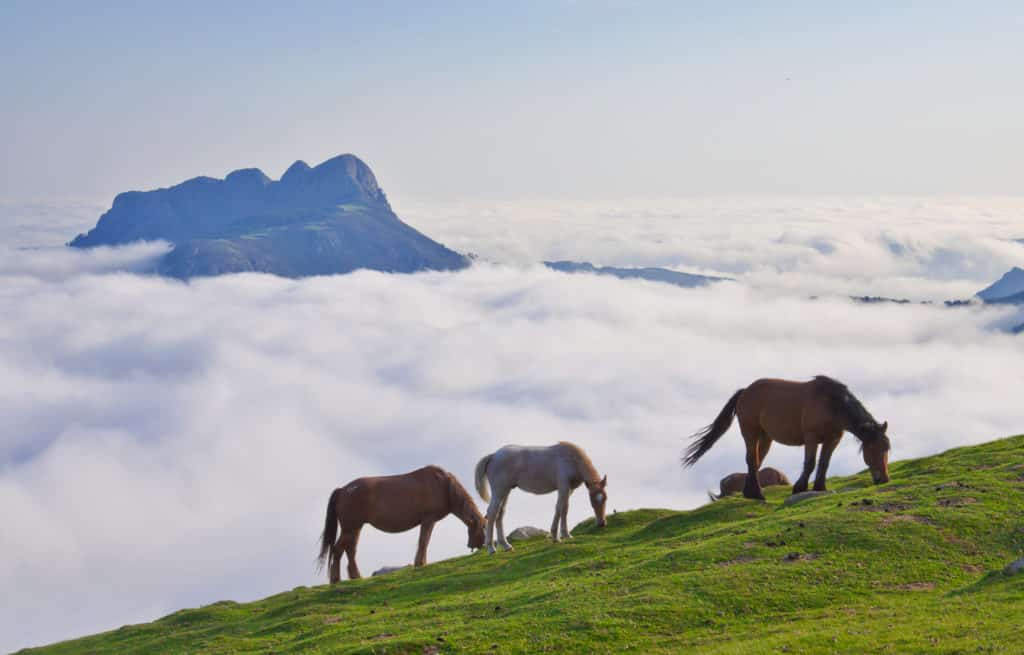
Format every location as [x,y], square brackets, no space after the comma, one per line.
[734,482]
[808,414]
[395,503]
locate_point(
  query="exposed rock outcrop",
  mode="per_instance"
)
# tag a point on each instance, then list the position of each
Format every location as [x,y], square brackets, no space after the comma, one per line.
[332,218]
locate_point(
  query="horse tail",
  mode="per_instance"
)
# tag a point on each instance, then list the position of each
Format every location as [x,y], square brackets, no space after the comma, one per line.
[705,438]
[480,477]
[330,533]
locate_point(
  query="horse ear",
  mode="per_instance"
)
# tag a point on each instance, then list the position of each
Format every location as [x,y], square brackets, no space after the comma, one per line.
[604,482]
[885,426]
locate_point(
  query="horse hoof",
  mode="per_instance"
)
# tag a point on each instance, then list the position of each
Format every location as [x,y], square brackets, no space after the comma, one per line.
[507,548]
[490,550]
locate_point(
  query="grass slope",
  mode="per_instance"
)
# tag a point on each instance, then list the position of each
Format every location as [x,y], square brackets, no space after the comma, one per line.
[911,566]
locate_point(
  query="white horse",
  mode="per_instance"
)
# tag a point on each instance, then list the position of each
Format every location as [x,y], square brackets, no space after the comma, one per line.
[539,470]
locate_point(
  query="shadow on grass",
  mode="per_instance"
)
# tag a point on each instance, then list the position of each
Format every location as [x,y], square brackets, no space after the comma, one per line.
[991,581]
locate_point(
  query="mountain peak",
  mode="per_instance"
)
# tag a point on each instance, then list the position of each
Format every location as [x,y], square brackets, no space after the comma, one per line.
[252,176]
[344,179]
[1011,283]
[296,170]
[332,218]
[351,167]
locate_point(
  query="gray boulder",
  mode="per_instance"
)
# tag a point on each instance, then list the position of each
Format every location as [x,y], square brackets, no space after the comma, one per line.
[526,532]
[388,569]
[1014,568]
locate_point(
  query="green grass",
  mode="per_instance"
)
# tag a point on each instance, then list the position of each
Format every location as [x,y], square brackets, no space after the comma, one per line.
[912,566]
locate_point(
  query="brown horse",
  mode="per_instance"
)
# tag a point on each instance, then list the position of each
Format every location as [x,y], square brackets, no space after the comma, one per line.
[395,503]
[734,482]
[805,414]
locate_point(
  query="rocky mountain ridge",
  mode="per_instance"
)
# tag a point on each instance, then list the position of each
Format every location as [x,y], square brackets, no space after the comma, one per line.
[332,218]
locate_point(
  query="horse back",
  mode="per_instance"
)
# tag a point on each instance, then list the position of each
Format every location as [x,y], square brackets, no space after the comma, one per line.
[785,410]
[767,477]
[395,503]
[732,483]
[770,477]
[531,468]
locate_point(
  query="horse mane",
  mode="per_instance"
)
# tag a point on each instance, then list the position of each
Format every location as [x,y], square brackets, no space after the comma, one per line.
[859,420]
[584,465]
[462,503]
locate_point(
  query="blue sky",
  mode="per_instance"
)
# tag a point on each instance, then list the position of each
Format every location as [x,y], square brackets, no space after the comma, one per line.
[489,100]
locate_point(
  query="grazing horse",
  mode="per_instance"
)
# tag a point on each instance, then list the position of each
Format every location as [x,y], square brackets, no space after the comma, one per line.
[805,414]
[539,470]
[734,482]
[395,503]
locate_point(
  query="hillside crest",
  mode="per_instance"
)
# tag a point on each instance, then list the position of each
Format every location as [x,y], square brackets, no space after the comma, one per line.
[911,566]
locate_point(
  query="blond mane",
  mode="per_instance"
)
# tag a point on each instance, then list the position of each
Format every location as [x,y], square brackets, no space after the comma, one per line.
[586,467]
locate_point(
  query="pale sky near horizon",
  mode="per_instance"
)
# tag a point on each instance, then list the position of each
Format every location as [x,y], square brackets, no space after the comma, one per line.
[127,397]
[508,100]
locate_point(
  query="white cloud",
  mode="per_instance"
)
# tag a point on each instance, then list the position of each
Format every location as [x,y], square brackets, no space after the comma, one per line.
[928,249]
[35,224]
[171,444]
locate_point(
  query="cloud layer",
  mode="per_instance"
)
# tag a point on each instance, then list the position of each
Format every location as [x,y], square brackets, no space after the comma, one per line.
[923,248]
[170,444]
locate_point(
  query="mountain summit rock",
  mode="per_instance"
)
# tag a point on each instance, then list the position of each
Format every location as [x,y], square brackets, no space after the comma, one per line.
[1006,288]
[322,220]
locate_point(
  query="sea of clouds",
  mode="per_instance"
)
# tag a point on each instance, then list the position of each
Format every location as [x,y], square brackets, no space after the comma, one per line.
[168,445]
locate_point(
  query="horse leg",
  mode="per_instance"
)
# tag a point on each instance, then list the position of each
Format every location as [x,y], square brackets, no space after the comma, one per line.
[560,505]
[810,454]
[426,528]
[565,513]
[826,456]
[351,541]
[337,550]
[502,541]
[764,444]
[752,487]
[498,497]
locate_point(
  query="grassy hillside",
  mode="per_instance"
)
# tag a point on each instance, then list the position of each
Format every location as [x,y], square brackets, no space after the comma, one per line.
[911,566]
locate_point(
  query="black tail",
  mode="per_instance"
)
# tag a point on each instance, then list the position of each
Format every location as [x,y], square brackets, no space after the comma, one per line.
[704,439]
[330,533]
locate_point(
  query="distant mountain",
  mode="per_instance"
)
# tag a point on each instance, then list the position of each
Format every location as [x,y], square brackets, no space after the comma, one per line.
[1015,299]
[874,300]
[1002,290]
[333,218]
[688,280]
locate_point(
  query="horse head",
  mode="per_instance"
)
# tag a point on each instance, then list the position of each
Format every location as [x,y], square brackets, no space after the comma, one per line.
[875,448]
[461,505]
[476,534]
[598,499]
